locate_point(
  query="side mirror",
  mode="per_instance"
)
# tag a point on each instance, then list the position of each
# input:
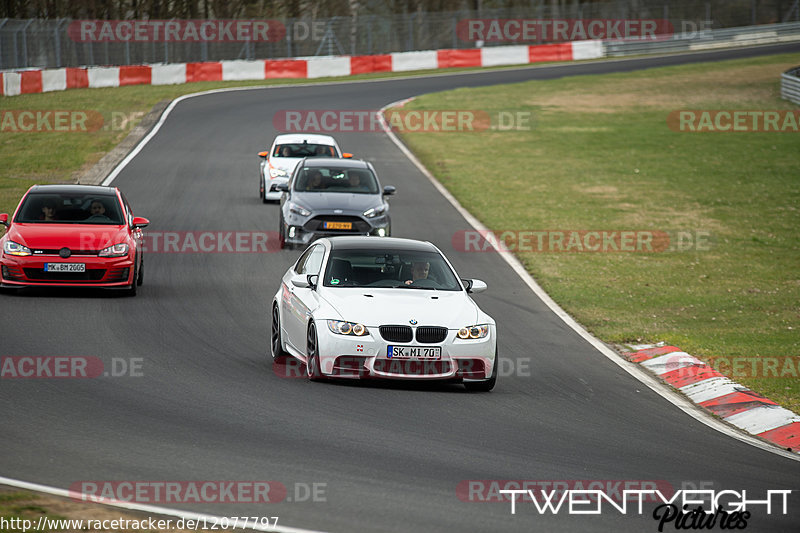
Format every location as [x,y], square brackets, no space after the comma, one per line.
[284,187]
[263,155]
[300,280]
[389,190]
[140,222]
[474,286]
[4,219]
[347,155]
[305,281]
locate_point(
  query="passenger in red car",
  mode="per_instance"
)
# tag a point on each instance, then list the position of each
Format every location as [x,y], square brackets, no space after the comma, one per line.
[48,211]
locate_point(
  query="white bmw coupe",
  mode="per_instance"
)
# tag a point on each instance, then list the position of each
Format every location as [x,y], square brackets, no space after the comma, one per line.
[367,307]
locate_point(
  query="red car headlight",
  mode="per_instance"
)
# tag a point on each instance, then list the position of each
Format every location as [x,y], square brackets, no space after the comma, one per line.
[14,248]
[117,250]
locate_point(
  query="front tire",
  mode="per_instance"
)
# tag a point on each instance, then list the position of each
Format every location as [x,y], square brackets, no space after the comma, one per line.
[282,234]
[140,277]
[276,344]
[131,290]
[313,367]
[487,385]
[263,192]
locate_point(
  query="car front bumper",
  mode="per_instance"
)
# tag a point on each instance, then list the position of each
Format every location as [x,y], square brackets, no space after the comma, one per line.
[302,231]
[345,356]
[28,271]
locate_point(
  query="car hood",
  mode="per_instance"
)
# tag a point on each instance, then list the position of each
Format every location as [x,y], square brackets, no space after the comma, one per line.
[285,163]
[376,307]
[73,236]
[327,201]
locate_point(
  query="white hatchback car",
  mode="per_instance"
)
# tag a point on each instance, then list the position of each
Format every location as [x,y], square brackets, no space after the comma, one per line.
[367,307]
[287,150]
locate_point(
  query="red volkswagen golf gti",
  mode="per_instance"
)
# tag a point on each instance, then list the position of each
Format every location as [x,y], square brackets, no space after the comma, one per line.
[72,235]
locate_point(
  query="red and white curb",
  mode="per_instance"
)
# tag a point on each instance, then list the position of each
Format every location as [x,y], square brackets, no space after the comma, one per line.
[41,81]
[732,402]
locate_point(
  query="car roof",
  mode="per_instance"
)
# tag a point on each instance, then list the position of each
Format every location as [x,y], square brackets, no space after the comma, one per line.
[334,161]
[373,243]
[75,189]
[298,138]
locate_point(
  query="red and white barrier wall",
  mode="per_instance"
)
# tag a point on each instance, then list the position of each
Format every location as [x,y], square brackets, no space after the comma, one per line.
[38,81]
[721,396]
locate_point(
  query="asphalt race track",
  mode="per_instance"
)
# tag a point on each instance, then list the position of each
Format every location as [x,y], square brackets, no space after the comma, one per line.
[389,456]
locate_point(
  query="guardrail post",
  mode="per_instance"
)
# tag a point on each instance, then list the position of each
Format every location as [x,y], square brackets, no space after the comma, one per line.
[57,37]
[25,44]
[2,23]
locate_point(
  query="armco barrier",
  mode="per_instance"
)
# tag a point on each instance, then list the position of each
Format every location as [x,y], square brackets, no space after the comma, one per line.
[702,39]
[790,85]
[38,81]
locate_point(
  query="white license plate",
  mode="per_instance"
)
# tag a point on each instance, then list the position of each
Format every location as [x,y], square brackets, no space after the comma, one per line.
[65,267]
[414,352]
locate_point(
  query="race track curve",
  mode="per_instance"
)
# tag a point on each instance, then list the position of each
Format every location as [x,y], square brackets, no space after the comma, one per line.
[210,407]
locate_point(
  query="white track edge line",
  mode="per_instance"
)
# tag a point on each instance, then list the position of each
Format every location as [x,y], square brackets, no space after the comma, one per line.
[147,508]
[685,405]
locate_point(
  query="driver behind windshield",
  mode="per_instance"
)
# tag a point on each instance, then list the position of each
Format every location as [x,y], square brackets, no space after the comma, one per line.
[419,270]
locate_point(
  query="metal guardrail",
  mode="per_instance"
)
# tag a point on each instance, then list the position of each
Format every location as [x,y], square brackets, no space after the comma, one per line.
[46,43]
[790,85]
[699,39]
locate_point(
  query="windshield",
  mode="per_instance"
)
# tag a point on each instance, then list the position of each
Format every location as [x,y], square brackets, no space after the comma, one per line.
[49,208]
[304,150]
[389,269]
[347,180]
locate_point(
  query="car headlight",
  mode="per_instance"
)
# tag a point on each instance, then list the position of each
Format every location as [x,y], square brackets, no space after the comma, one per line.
[15,248]
[375,212]
[277,172]
[299,210]
[347,328]
[117,250]
[473,332]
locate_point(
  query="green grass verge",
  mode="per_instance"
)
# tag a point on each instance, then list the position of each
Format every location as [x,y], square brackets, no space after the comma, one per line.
[21,506]
[601,157]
